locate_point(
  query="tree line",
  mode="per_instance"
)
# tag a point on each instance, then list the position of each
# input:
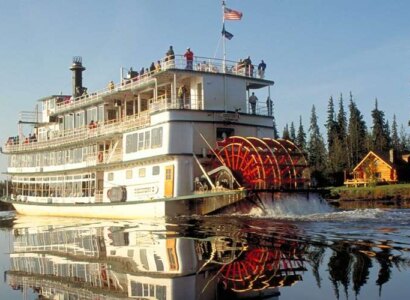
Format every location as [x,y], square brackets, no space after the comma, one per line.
[348,139]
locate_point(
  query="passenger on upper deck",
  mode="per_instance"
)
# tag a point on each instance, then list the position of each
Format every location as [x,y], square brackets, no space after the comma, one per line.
[189,55]
[248,66]
[169,58]
[261,69]
[152,67]
[158,66]
[252,100]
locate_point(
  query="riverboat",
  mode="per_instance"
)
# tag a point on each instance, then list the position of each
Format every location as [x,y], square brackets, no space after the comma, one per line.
[181,138]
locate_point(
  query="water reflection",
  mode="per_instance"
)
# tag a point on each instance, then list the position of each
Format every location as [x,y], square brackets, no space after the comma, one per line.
[204,258]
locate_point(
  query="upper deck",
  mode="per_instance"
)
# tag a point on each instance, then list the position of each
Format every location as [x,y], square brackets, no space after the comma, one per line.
[129,104]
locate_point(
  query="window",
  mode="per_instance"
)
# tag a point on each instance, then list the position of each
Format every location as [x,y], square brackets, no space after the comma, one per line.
[128,174]
[140,141]
[110,176]
[223,133]
[156,137]
[147,139]
[141,172]
[155,170]
[131,143]
[168,174]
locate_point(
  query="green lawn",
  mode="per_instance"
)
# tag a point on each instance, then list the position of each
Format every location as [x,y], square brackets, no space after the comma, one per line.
[392,191]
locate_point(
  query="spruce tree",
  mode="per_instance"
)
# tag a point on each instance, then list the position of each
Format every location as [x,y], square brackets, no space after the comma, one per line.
[316,150]
[301,136]
[404,139]
[356,136]
[285,134]
[275,128]
[330,124]
[380,134]
[342,122]
[395,140]
[292,132]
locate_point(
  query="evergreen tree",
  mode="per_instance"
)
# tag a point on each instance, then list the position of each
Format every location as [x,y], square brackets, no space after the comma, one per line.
[275,128]
[342,122]
[380,134]
[337,145]
[285,134]
[316,150]
[292,132]
[301,137]
[404,139]
[356,136]
[395,140]
[331,124]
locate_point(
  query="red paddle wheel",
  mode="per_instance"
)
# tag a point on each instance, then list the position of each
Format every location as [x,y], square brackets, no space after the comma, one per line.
[263,163]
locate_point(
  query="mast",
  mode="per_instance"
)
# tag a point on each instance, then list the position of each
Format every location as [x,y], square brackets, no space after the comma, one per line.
[223,37]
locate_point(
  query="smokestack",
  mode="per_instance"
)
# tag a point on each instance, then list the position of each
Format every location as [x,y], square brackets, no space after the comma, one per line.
[77,79]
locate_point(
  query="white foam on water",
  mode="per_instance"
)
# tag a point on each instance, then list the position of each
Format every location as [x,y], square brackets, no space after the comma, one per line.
[314,208]
[291,205]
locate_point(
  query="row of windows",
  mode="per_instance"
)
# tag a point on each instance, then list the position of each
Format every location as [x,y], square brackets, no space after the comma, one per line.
[149,139]
[61,186]
[129,174]
[55,158]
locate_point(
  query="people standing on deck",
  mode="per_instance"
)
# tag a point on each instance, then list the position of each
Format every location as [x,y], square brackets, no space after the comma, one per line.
[158,66]
[189,55]
[252,101]
[111,85]
[269,104]
[181,96]
[261,69]
[169,58]
[248,66]
[152,67]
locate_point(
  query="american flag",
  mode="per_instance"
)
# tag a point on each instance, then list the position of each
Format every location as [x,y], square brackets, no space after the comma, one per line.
[230,14]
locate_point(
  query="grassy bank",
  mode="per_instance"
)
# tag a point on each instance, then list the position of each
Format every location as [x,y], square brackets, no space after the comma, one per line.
[380,192]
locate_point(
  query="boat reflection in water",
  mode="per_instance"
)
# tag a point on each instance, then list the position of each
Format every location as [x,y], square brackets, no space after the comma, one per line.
[204,258]
[116,260]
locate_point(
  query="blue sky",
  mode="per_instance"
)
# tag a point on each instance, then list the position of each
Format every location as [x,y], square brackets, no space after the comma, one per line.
[314,49]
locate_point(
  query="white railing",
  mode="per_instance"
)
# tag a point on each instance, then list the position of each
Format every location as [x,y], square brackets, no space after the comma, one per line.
[202,64]
[64,137]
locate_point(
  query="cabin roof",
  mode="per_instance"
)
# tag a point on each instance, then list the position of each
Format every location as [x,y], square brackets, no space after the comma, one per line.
[382,156]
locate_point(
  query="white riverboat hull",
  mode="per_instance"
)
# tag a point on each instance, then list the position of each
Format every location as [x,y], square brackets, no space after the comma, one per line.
[130,211]
[198,204]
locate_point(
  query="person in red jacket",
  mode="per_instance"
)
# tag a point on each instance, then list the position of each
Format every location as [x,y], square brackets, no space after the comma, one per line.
[189,55]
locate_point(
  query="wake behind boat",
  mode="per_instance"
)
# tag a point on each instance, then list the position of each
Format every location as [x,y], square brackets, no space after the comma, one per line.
[178,139]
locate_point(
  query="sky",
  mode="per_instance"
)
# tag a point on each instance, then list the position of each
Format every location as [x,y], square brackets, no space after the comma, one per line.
[313,49]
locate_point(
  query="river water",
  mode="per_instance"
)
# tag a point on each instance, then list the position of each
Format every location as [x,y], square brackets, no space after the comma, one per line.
[294,249]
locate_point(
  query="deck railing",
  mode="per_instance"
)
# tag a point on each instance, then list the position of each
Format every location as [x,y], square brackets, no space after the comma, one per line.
[201,64]
[64,137]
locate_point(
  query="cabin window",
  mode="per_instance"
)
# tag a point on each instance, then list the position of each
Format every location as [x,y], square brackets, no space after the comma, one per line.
[141,172]
[147,139]
[223,133]
[156,137]
[140,141]
[101,113]
[91,115]
[110,176]
[128,174]
[155,170]
[131,143]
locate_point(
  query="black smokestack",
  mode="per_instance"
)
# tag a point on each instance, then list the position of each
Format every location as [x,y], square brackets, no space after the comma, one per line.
[77,68]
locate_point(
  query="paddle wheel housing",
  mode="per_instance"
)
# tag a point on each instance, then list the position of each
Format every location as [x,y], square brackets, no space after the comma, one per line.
[263,163]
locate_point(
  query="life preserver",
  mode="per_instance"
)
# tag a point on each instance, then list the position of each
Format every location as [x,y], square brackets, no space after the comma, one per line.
[100,157]
[104,275]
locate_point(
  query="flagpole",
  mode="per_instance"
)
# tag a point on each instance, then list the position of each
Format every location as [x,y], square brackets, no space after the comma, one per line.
[223,37]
